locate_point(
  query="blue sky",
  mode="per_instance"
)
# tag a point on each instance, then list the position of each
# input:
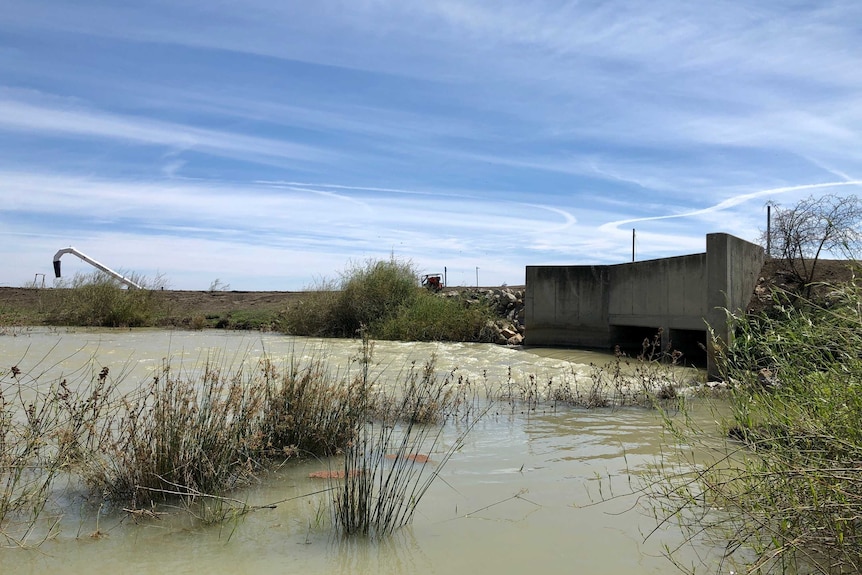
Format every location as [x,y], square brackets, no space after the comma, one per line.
[269,143]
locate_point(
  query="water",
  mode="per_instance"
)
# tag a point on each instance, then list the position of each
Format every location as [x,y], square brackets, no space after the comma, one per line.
[523,494]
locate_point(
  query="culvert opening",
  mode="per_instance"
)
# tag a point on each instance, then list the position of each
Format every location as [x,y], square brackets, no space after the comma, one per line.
[691,342]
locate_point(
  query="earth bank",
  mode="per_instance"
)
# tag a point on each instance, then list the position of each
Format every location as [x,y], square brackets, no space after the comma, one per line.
[250,309]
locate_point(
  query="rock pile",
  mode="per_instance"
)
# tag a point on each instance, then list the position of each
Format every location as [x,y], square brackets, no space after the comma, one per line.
[507,303]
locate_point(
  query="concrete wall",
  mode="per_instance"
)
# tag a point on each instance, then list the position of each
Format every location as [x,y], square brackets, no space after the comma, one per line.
[585,306]
[567,305]
[733,268]
[668,292]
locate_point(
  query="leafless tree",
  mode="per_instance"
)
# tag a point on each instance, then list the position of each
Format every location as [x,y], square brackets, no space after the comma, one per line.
[814,227]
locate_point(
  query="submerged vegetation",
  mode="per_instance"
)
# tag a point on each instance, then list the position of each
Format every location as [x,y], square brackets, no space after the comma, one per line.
[188,438]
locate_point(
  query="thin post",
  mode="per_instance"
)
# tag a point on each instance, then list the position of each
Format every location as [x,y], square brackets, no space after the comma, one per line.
[477,276]
[768,231]
[633,244]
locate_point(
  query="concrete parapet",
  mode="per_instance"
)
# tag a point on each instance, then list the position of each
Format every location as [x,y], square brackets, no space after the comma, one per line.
[604,306]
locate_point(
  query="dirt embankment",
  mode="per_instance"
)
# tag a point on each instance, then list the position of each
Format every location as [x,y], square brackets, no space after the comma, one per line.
[28,305]
[776,275]
[233,309]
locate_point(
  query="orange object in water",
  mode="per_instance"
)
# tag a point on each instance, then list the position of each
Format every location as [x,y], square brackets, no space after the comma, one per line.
[414,457]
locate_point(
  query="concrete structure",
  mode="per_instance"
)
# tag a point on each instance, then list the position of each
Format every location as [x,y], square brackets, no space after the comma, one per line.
[604,306]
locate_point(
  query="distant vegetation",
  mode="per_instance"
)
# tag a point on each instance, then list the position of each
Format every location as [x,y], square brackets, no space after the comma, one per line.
[383,297]
[97,299]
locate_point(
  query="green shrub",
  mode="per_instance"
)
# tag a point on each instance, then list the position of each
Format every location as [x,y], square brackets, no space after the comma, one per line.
[374,292]
[384,298]
[430,317]
[789,481]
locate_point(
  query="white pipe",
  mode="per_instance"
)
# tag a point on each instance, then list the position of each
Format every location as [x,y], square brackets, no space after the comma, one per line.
[92,262]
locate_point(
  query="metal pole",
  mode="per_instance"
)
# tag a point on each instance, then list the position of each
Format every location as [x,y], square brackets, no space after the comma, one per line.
[477,276]
[768,231]
[633,244]
[445,278]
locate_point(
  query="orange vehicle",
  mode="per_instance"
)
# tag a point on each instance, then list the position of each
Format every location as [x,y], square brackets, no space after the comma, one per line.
[433,282]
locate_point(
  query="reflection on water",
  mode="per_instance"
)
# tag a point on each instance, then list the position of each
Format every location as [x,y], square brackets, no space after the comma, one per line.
[521,495]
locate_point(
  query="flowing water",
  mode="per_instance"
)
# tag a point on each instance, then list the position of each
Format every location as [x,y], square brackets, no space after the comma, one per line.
[528,491]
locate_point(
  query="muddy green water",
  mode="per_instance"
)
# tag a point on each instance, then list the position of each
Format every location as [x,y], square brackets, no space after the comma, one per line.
[522,495]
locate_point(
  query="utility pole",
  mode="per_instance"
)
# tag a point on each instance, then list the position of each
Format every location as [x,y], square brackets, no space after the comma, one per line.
[768,230]
[633,244]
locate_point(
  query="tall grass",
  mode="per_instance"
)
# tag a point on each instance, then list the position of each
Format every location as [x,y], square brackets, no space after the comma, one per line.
[788,480]
[199,434]
[653,378]
[97,299]
[308,409]
[191,436]
[388,468]
[194,436]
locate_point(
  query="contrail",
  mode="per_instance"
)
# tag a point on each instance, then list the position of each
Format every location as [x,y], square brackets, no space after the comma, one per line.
[730,202]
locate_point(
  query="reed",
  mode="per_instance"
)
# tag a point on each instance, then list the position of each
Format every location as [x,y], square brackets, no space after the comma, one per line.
[787,477]
[652,379]
[46,431]
[200,433]
[188,437]
[398,451]
[307,409]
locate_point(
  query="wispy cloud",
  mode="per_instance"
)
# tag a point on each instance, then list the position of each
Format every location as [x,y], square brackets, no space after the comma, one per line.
[20,116]
[490,134]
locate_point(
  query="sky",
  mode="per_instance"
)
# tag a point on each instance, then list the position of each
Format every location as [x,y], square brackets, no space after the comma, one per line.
[274,144]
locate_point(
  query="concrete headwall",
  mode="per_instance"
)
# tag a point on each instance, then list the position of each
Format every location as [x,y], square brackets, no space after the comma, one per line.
[669,292]
[590,306]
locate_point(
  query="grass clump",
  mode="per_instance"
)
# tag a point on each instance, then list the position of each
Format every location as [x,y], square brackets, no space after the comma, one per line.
[788,480]
[307,410]
[190,436]
[193,437]
[398,451]
[99,300]
[196,434]
[384,298]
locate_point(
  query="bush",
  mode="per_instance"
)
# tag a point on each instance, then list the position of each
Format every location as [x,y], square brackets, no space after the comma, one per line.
[374,292]
[365,296]
[99,300]
[433,318]
[789,483]
[384,298]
